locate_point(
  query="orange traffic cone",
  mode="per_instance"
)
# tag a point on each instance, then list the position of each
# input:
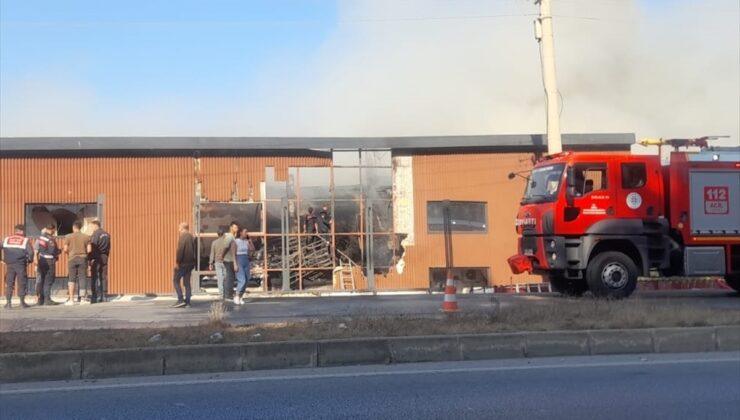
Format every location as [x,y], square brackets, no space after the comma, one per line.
[450,303]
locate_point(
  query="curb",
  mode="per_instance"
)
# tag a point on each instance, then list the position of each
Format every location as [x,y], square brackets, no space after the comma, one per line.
[173,360]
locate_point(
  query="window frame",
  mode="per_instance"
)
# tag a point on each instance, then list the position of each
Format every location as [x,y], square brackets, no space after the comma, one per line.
[588,166]
[633,164]
[453,230]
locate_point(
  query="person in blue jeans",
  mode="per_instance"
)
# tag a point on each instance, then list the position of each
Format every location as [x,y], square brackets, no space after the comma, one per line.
[184,265]
[216,260]
[244,246]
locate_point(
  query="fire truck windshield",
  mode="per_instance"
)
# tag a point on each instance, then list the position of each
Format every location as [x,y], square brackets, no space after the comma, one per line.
[543,184]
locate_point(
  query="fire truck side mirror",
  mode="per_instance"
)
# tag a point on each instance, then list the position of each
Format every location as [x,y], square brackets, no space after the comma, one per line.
[570,192]
[570,186]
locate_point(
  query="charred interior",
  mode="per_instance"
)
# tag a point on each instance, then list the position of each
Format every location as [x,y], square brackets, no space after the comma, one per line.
[315,224]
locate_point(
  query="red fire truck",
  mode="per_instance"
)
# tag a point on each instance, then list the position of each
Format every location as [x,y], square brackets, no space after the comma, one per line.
[598,221]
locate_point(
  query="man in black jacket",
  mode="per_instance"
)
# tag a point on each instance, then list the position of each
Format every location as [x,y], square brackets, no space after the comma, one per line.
[100,241]
[184,265]
[47,254]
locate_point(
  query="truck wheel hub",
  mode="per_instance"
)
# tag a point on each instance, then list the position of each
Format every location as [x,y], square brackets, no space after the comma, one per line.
[614,275]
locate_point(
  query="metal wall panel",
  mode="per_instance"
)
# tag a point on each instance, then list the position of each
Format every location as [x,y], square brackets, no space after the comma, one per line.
[145,199]
[464,177]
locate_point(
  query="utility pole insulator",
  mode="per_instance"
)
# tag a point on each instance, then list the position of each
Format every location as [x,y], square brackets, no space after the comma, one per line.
[537,30]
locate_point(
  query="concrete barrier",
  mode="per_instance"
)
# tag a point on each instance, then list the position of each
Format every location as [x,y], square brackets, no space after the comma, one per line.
[361,351]
[621,341]
[203,358]
[280,355]
[492,346]
[728,338]
[66,365]
[557,343]
[46,366]
[682,340]
[424,349]
[122,362]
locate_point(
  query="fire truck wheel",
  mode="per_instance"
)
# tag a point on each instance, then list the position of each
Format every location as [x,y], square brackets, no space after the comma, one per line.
[611,275]
[567,287]
[733,280]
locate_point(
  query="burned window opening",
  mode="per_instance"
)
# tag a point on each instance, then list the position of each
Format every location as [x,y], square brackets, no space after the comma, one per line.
[61,215]
[464,277]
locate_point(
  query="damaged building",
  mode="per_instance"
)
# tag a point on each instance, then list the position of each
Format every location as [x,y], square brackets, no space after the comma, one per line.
[382,201]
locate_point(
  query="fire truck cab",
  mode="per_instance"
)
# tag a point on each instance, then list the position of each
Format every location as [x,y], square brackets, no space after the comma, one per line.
[598,221]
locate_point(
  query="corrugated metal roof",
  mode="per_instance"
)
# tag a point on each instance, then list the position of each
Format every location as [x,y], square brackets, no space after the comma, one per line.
[231,145]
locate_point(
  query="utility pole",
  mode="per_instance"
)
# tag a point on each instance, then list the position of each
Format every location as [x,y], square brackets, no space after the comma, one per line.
[543,34]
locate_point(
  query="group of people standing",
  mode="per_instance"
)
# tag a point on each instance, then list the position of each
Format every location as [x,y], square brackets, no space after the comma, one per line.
[83,251]
[229,257]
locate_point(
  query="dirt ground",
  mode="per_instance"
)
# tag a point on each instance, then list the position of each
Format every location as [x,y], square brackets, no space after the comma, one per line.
[562,314]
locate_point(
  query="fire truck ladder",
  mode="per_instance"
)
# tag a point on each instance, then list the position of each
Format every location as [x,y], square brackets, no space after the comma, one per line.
[701,142]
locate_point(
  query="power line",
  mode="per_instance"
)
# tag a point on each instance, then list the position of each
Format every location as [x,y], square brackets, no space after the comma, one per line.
[252,22]
[470,17]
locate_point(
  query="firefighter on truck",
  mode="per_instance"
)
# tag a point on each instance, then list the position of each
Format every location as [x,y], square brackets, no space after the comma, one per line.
[598,221]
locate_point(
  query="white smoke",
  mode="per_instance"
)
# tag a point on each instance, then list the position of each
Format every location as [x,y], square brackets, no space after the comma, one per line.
[436,67]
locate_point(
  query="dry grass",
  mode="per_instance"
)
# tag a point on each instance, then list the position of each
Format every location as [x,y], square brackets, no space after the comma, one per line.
[563,314]
[217,313]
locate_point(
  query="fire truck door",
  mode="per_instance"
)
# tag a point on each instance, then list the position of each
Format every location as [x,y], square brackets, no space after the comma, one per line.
[638,193]
[593,198]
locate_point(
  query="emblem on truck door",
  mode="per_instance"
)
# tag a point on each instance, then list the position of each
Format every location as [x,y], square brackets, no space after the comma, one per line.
[634,200]
[593,210]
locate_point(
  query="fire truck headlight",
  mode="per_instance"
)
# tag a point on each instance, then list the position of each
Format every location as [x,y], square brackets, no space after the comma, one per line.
[552,244]
[554,256]
[715,157]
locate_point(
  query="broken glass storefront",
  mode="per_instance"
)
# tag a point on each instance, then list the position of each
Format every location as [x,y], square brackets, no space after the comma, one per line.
[319,227]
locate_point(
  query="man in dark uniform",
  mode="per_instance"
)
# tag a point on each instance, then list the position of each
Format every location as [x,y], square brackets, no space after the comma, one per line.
[324,221]
[324,225]
[47,253]
[17,254]
[100,241]
[310,225]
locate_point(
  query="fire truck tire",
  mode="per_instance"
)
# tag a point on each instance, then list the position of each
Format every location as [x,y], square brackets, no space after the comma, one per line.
[733,280]
[567,287]
[611,275]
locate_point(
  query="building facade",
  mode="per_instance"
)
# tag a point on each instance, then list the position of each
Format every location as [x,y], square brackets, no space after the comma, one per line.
[383,201]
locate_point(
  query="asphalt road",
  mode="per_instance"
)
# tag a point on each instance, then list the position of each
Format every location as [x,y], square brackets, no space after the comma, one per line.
[687,386]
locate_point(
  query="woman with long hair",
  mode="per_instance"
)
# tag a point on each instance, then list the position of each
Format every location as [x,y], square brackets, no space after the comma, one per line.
[244,246]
